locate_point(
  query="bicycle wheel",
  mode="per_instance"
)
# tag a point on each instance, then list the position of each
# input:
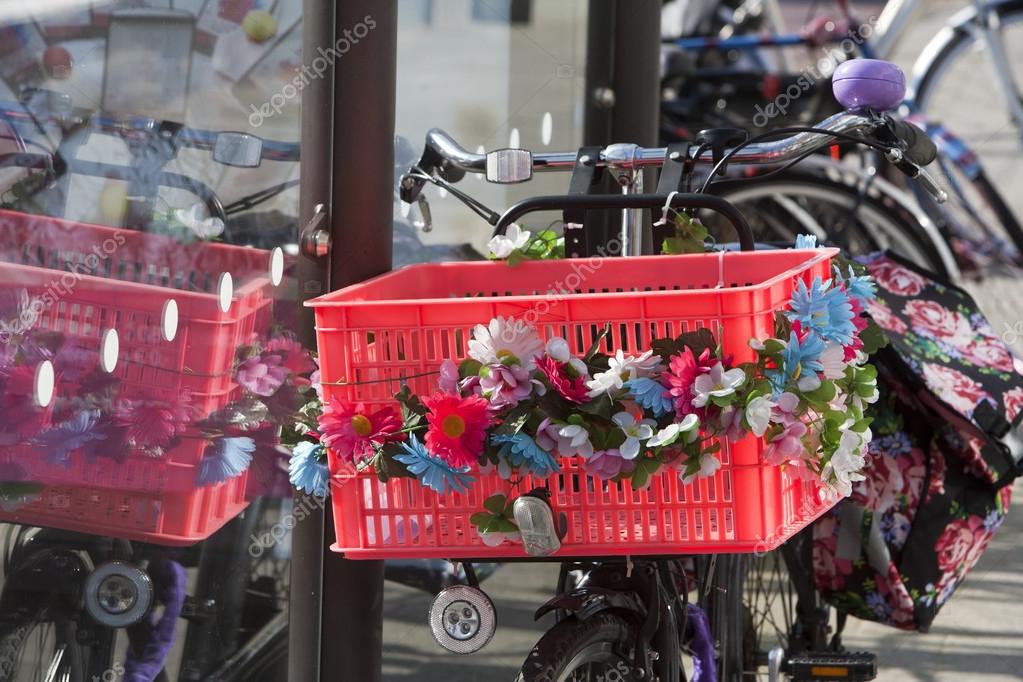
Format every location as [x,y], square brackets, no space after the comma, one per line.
[41,650]
[963,72]
[598,648]
[977,222]
[783,206]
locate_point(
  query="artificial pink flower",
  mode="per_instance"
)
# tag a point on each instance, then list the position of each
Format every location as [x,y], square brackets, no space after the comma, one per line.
[458,427]
[262,374]
[449,377]
[504,386]
[572,389]
[154,424]
[786,445]
[606,464]
[19,413]
[681,375]
[296,358]
[351,430]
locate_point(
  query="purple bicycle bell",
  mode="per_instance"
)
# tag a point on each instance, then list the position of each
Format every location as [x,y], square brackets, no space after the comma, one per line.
[868,84]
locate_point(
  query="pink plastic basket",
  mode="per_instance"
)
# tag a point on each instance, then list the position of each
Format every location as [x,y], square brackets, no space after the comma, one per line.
[402,325]
[98,278]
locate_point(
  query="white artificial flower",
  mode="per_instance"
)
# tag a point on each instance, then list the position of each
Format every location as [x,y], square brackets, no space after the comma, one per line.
[717,383]
[808,382]
[670,433]
[709,464]
[505,339]
[574,440]
[558,349]
[622,368]
[503,245]
[833,359]
[846,462]
[758,414]
[635,432]
[203,227]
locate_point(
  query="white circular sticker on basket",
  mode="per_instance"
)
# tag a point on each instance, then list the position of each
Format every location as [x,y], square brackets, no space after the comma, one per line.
[513,139]
[109,348]
[276,266]
[169,320]
[546,128]
[43,385]
[225,290]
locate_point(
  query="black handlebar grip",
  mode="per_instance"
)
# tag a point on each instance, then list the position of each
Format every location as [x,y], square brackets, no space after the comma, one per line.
[919,147]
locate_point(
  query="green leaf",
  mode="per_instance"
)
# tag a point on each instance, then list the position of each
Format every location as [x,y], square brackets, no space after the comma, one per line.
[515,419]
[480,519]
[514,259]
[386,467]
[504,525]
[823,394]
[698,341]
[469,368]
[595,346]
[495,504]
[410,403]
[873,338]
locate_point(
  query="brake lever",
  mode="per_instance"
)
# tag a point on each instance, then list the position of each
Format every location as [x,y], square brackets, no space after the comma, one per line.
[925,179]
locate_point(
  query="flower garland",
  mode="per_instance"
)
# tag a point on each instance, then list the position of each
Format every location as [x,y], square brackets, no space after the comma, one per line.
[91,415]
[517,404]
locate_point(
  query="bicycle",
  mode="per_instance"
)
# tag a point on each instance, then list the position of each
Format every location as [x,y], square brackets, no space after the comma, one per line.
[630,618]
[977,224]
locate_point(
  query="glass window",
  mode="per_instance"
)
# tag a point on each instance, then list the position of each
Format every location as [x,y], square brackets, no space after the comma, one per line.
[150,362]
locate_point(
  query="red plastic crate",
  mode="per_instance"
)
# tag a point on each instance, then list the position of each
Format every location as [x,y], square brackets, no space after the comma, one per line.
[125,287]
[402,325]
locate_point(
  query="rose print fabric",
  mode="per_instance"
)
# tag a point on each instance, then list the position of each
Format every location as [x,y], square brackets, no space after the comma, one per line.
[935,489]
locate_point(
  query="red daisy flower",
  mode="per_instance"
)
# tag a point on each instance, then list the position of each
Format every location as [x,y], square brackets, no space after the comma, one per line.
[570,388]
[458,427]
[683,369]
[350,430]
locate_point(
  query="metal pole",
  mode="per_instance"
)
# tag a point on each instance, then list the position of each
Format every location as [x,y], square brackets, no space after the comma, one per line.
[307,544]
[637,87]
[347,166]
[361,210]
[622,87]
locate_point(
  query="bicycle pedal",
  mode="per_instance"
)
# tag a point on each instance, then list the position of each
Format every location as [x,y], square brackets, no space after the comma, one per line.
[853,666]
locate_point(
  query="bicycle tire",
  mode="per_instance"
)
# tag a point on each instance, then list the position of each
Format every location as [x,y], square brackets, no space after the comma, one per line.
[877,225]
[12,644]
[606,639]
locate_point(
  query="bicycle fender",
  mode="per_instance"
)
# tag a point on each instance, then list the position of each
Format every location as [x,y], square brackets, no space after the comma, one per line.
[586,602]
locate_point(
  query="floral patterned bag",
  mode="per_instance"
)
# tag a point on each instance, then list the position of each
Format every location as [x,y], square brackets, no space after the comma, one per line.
[936,485]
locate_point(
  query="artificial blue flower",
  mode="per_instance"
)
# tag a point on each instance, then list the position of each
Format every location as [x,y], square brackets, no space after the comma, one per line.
[519,450]
[650,395]
[78,432]
[823,310]
[306,470]
[806,241]
[798,358]
[859,287]
[226,457]
[431,471]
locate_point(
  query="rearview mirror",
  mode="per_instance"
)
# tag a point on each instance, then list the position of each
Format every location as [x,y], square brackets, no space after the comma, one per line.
[238,149]
[508,166]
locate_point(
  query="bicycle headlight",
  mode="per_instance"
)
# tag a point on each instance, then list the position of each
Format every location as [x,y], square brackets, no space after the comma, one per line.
[536,524]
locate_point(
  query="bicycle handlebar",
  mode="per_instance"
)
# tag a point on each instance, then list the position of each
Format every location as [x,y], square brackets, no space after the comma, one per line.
[444,156]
